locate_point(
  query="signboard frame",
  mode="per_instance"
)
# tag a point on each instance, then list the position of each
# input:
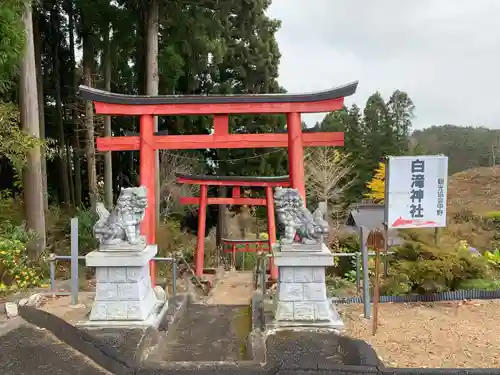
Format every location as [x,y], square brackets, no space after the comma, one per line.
[433,221]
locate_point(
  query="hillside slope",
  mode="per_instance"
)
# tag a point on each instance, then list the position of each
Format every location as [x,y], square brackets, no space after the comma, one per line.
[471,194]
[477,190]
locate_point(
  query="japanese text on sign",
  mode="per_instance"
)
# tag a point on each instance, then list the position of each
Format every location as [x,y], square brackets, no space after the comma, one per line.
[417,188]
[415,191]
[440,197]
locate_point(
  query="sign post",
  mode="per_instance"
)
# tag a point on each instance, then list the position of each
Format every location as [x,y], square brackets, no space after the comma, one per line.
[376,242]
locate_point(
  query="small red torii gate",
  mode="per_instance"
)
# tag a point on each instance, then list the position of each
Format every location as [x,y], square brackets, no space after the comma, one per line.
[236,182]
[220,106]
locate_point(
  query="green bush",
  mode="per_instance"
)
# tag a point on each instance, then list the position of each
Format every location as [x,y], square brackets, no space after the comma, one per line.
[420,267]
[339,287]
[492,215]
[59,230]
[345,244]
[479,284]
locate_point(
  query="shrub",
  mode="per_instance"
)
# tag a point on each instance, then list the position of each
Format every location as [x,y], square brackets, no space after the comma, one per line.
[479,284]
[424,268]
[492,215]
[16,270]
[339,287]
[344,244]
[171,239]
[59,230]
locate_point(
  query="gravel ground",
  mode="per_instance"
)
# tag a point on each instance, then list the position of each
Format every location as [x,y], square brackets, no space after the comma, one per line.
[445,334]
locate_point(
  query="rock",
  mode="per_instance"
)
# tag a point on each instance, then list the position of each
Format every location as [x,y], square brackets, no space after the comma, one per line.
[160,293]
[35,300]
[11,310]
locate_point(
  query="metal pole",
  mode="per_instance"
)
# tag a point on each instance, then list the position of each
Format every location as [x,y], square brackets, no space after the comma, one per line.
[376,292]
[174,275]
[366,280]
[52,260]
[358,272]
[386,248]
[263,275]
[74,261]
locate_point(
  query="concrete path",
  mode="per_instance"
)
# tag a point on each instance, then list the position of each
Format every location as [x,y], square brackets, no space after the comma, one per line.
[233,288]
[29,350]
[208,333]
[215,329]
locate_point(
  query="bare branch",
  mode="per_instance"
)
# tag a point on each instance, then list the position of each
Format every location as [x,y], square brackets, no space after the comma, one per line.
[326,173]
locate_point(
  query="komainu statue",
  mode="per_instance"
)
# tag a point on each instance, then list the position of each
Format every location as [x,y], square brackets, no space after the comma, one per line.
[298,220]
[120,228]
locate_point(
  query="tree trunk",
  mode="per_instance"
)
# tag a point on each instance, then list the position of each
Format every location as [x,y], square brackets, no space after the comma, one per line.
[108,162]
[152,81]
[41,104]
[63,167]
[75,141]
[68,156]
[88,59]
[32,174]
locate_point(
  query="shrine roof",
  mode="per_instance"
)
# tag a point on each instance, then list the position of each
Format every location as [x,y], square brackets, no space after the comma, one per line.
[96,95]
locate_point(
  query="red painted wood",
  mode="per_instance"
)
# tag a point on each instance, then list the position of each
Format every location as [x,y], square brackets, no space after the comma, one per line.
[296,153]
[148,179]
[271,228]
[195,142]
[245,249]
[236,183]
[221,125]
[227,241]
[329,105]
[237,201]
[200,243]
[236,192]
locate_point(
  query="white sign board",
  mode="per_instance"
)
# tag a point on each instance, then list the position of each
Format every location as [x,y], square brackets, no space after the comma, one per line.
[416,189]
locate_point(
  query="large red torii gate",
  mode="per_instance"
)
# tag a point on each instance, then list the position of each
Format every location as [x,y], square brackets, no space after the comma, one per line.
[107,103]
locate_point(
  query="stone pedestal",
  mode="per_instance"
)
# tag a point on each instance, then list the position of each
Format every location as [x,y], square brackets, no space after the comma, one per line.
[123,286]
[301,292]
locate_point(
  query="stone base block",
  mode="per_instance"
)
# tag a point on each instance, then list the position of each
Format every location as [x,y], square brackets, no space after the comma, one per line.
[123,286]
[301,298]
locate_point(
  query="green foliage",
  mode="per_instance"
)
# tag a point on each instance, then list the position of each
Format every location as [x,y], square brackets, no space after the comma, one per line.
[16,270]
[59,230]
[171,239]
[492,215]
[383,129]
[493,257]
[479,284]
[15,143]
[421,267]
[339,287]
[12,41]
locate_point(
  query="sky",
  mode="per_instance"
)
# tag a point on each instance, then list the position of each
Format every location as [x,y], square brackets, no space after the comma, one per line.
[444,53]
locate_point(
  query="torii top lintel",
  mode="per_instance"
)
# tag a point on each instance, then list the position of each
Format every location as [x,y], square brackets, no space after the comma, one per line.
[107,103]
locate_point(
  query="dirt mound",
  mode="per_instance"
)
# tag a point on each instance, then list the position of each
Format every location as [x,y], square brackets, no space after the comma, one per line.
[477,190]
